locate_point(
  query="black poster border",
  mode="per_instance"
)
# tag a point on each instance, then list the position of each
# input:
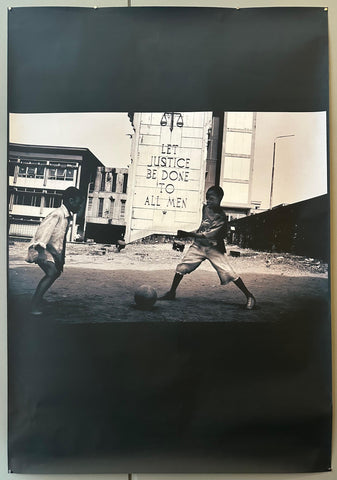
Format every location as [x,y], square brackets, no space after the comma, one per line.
[184,69]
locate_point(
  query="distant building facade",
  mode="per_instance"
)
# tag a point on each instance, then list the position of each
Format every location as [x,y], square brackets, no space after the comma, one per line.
[37,176]
[106,206]
[230,161]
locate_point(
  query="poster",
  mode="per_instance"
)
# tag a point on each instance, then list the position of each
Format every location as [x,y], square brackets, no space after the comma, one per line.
[174,388]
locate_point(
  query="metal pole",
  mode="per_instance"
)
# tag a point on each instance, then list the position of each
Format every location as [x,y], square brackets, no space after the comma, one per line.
[272,176]
[85,211]
[273,169]
[221,116]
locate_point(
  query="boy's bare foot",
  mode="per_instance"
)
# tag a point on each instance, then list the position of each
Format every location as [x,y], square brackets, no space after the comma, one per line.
[251,302]
[35,308]
[168,296]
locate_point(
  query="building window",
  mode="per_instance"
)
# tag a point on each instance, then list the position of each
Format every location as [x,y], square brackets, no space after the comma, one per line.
[125,182]
[122,208]
[22,171]
[11,169]
[100,207]
[90,199]
[52,201]
[29,199]
[114,182]
[52,174]
[103,182]
[31,171]
[40,171]
[70,174]
[112,205]
[61,174]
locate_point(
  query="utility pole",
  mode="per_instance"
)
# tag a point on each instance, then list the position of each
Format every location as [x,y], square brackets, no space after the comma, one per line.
[273,168]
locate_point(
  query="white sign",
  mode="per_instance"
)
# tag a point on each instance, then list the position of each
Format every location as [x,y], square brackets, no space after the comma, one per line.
[167,174]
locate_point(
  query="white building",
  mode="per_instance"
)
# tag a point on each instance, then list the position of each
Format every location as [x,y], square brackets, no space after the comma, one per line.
[230,161]
[38,175]
[106,208]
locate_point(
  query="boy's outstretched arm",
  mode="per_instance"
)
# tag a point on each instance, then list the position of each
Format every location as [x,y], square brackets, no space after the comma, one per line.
[184,234]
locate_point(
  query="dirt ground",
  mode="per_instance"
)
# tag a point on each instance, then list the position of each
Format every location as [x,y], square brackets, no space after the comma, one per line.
[161,256]
[98,285]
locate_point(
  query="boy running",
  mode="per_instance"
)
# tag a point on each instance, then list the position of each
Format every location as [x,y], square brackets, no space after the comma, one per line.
[48,245]
[209,245]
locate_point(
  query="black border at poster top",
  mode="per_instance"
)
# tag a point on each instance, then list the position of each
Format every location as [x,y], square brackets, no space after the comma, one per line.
[119,59]
[158,58]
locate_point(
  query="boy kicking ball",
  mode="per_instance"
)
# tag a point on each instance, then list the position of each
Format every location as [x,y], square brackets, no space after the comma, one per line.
[47,249]
[209,245]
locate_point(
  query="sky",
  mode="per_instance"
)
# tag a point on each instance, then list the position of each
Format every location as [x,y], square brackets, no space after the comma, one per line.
[105,134]
[300,160]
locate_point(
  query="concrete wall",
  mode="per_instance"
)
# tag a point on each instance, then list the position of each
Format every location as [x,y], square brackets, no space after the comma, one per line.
[301,228]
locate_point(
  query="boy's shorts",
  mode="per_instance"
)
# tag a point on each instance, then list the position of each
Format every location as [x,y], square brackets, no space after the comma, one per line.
[196,254]
[40,258]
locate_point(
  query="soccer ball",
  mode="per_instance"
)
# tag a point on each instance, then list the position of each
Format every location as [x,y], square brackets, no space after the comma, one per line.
[145,296]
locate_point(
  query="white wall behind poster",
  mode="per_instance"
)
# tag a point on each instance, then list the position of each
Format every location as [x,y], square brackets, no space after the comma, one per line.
[4,4]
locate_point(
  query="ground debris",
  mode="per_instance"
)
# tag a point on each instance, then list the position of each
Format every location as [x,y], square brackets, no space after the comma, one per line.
[161,256]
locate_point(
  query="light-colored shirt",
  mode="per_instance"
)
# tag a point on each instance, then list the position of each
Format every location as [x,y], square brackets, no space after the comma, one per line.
[213,227]
[51,236]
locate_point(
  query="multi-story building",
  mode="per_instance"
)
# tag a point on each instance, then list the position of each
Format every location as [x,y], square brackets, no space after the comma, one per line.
[105,212]
[230,160]
[38,175]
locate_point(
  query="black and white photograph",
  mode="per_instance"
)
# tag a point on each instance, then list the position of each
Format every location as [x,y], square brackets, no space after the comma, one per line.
[232,195]
[168,241]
